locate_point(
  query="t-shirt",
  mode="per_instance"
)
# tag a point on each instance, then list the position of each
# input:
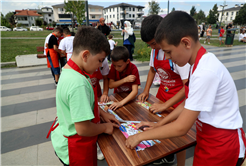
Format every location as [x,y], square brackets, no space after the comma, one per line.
[46,41]
[222,31]
[104,69]
[241,36]
[131,70]
[52,41]
[111,43]
[209,32]
[67,44]
[74,103]
[182,71]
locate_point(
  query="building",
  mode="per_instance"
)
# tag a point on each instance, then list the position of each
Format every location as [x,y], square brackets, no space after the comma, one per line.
[229,14]
[47,13]
[26,17]
[114,13]
[63,18]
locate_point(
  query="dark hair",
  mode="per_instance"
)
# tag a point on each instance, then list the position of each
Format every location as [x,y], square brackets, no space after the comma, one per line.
[58,29]
[175,26]
[92,39]
[66,31]
[110,36]
[72,33]
[149,26]
[119,53]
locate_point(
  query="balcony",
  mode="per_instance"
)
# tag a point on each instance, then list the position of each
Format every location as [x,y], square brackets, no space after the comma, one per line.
[140,13]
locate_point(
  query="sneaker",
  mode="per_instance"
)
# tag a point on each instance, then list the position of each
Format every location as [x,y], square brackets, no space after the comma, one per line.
[167,160]
[208,42]
[56,83]
[204,42]
[100,155]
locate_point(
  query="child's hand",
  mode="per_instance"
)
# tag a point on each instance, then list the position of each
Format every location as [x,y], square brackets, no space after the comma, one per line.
[156,108]
[115,105]
[109,128]
[110,118]
[146,125]
[132,141]
[130,78]
[104,98]
[143,96]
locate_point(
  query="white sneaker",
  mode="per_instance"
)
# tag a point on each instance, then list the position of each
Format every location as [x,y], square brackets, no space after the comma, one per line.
[208,42]
[100,155]
[204,42]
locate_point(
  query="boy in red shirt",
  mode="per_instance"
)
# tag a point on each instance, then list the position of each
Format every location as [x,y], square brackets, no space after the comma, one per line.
[222,31]
[123,76]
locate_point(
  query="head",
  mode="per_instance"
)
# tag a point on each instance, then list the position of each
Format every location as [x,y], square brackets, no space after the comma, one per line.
[101,21]
[90,48]
[243,31]
[110,36]
[58,31]
[221,27]
[198,27]
[120,58]
[66,32]
[127,24]
[209,26]
[177,35]
[148,28]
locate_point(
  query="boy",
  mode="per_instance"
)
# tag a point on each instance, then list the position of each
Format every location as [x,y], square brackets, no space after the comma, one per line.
[222,31]
[74,140]
[173,77]
[209,34]
[112,44]
[123,76]
[211,98]
[66,44]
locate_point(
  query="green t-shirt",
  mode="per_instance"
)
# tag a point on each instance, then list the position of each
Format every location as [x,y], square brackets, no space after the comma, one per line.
[75,103]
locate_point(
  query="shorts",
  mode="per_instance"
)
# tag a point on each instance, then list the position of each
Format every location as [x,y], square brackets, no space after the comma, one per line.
[208,37]
[220,38]
[56,70]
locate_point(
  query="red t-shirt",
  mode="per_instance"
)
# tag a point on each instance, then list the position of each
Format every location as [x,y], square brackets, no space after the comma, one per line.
[222,31]
[116,76]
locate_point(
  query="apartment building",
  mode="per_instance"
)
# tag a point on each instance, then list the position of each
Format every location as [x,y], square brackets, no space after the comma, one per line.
[229,14]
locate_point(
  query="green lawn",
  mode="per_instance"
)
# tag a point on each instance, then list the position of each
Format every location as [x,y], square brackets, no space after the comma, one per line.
[25,33]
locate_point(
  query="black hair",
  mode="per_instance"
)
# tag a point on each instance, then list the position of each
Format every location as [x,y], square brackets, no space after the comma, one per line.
[119,53]
[149,26]
[92,39]
[66,31]
[72,33]
[58,29]
[175,26]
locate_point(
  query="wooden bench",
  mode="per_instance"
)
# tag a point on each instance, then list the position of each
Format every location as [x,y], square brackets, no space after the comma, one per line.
[40,49]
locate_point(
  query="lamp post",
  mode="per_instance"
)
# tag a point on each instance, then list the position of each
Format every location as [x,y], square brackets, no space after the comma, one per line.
[222,12]
[87,13]
[168,7]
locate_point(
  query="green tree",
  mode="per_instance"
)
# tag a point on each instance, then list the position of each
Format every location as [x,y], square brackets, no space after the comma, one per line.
[77,8]
[213,15]
[154,7]
[4,21]
[10,18]
[39,21]
[193,11]
[173,9]
[241,17]
[200,16]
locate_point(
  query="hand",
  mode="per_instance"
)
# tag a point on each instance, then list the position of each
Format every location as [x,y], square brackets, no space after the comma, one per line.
[143,96]
[109,118]
[156,108]
[104,98]
[115,105]
[146,125]
[109,128]
[130,78]
[132,141]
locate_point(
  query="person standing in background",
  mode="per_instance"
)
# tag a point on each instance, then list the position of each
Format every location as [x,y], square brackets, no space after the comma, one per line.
[128,38]
[103,27]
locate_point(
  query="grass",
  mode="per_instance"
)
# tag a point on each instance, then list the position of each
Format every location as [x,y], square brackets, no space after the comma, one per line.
[25,33]
[216,43]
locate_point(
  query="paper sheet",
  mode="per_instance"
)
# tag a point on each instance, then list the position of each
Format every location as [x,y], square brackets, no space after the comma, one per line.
[146,105]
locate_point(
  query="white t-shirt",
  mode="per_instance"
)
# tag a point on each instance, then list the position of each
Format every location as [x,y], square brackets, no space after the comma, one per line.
[104,69]
[111,43]
[212,92]
[67,44]
[182,71]
[46,41]
[241,36]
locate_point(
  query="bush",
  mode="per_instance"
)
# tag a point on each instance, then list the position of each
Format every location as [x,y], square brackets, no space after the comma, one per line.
[143,54]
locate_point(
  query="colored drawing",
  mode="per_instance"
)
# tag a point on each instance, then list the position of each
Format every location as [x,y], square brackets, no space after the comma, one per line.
[147,105]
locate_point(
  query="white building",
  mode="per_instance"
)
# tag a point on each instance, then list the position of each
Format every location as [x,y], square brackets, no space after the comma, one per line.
[63,18]
[47,13]
[26,17]
[114,13]
[229,14]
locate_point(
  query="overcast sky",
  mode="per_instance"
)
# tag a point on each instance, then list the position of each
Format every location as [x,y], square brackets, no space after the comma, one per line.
[185,5]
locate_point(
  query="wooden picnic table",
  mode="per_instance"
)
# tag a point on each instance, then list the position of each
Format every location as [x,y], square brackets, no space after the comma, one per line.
[113,146]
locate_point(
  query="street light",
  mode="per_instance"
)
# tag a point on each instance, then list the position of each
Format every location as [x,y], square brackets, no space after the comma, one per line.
[168,7]
[222,12]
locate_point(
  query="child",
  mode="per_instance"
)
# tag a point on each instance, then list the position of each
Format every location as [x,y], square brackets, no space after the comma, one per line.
[123,76]
[173,77]
[222,31]
[112,44]
[66,44]
[209,34]
[74,140]
[211,98]
[242,36]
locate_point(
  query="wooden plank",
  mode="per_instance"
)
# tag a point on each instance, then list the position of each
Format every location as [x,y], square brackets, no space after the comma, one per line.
[40,49]
[41,56]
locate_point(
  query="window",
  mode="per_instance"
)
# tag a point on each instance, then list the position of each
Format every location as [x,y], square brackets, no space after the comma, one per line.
[99,10]
[61,9]
[226,13]
[92,10]
[231,18]
[110,16]
[133,16]
[117,9]
[31,18]
[237,13]
[129,15]
[47,9]
[113,9]
[64,15]
[117,16]
[49,15]
[232,13]
[110,9]
[99,16]
[93,16]
[129,9]
[113,16]
[133,9]
[50,20]
[226,18]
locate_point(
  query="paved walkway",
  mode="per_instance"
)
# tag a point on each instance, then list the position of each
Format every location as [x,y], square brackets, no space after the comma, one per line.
[28,108]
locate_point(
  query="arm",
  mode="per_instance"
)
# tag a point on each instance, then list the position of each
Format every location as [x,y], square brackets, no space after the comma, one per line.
[104,97]
[115,84]
[56,49]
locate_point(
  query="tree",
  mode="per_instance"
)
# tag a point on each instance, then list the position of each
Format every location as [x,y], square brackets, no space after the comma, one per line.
[213,15]
[173,9]
[77,8]
[193,11]
[4,21]
[154,7]
[10,18]
[200,16]
[38,21]
[241,17]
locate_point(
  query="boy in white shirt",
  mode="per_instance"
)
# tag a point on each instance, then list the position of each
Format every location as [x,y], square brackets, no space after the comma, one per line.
[242,36]
[66,44]
[112,44]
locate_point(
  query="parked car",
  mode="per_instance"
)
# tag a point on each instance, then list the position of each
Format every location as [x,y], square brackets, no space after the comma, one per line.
[19,29]
[4,28]
[50,28]
[36,28]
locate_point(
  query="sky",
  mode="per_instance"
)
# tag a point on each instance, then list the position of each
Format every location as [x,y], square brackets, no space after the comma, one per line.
[12,5]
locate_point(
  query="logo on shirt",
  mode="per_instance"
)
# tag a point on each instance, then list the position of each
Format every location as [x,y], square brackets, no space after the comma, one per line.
[123,89]
[93,81]
[163,74]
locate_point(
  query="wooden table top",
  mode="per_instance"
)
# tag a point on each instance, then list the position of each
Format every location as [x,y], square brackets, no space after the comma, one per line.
[113,146]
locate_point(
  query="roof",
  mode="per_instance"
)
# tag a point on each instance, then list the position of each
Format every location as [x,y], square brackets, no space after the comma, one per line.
[62,5]
[125,5]
[27,13]
[231,9]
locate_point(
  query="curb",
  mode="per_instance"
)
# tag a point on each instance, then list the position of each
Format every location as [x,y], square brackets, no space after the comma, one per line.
[8,63]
